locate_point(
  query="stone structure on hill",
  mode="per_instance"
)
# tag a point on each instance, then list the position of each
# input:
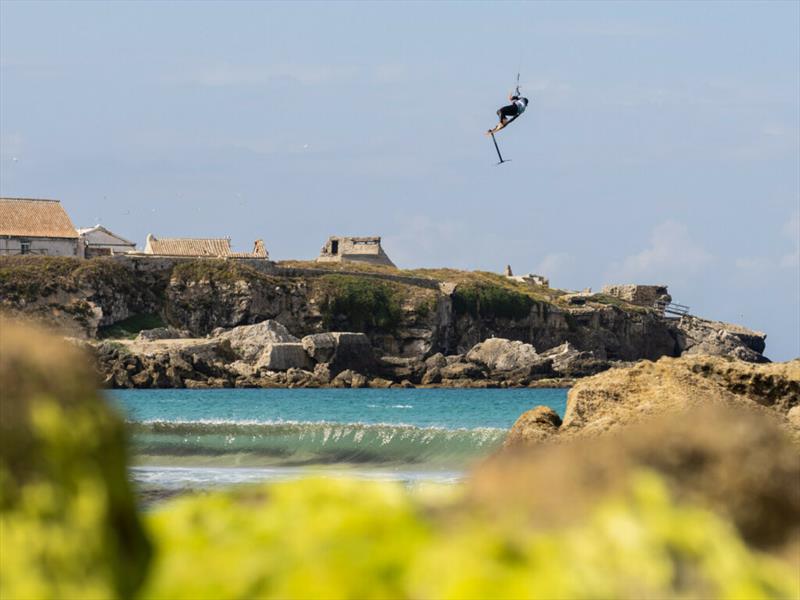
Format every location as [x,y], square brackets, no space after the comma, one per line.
[354,249]
[528,278]
[200,247]
[643,295]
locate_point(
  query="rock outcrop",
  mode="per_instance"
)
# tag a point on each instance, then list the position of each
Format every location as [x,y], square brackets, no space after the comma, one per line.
[739,462]
[622,396]
[700,336]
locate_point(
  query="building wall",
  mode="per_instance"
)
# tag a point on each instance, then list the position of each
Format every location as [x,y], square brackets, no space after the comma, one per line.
[13,246]
[100,239]
[346,249]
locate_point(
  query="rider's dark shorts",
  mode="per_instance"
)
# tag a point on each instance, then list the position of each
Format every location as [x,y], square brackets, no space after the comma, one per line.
[508,111]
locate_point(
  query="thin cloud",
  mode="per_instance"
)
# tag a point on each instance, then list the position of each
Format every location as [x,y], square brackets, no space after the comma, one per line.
[230,75]
[672,255]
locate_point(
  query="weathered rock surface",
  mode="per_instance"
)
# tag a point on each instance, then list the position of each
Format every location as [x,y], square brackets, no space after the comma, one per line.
[533,426]
[568,361]
[341,350]
[621,396]
[283,356]
[251,341]
[499,354]
[700,336]
[643,295]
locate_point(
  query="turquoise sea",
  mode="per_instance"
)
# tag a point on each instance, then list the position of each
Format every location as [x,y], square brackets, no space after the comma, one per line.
[205,438]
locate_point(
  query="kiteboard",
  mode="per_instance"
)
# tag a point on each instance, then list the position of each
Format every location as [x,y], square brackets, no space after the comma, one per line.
[501,126]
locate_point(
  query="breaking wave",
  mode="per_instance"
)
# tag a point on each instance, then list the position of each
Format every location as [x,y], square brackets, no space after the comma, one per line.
[304,443]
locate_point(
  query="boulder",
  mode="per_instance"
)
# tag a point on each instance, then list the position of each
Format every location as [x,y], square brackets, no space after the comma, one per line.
[380,383]
[322,373]
[622,396]
[499,354]
[714,338]
[341,350]
[568,361]
[462,370]
[533,426]
[437,361]
[398,368]
[432,376]
[251,341]
[349,379]
[300,378]
[282,356]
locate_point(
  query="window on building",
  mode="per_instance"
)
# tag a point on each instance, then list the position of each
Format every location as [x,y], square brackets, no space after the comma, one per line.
[25,247]
[335,247]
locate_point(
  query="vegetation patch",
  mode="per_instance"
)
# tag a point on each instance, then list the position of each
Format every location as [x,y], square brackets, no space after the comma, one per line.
[360,303]
[28,278]
[491,301]
[129,328]
[217,271]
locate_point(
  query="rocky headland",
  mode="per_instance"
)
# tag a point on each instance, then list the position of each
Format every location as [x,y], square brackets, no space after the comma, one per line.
[158,322]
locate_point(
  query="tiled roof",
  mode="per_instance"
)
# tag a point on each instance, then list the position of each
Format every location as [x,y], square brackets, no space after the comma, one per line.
[189,246]
[35,218]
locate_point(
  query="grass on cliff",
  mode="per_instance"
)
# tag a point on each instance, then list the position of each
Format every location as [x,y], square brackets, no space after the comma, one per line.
[26,279]
[217,271]
[360,303]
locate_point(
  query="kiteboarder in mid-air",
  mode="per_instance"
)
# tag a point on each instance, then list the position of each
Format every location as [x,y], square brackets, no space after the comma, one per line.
[508,114]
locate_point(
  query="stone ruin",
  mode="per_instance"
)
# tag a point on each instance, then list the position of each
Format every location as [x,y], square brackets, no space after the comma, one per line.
[642,295]
[530,278]
[355,249]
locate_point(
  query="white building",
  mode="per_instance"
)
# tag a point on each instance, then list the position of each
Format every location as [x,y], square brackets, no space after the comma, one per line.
[34,226]
[99,241]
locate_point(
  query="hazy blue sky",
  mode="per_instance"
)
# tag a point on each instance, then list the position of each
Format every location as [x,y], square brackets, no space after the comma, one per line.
[661,144]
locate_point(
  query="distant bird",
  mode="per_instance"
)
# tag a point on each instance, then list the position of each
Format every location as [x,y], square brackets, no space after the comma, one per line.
[14,159]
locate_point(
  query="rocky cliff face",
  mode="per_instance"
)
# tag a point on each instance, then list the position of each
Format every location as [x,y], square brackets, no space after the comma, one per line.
[406,316]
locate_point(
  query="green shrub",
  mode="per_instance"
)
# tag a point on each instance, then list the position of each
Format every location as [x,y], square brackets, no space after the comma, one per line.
[68,522]
[330,538]
[360,303]
[216,271]
[28,278]
[491,301]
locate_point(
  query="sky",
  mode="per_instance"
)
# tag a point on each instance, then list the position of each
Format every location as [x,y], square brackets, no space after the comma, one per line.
[661,144]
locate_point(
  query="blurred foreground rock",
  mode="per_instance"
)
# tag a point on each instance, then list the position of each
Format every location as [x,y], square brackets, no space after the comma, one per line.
[67,516]
[740,463]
